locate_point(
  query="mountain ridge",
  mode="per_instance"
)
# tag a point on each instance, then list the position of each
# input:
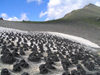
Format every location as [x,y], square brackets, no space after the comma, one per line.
[89,14]
[88,11]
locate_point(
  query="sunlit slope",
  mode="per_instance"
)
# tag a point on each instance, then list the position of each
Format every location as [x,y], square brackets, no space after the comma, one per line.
[90,14]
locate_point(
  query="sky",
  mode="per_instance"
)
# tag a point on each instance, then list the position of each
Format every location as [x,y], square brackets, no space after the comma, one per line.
[40,10]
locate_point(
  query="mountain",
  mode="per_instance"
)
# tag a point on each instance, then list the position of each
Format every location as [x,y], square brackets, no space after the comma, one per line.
[89,14]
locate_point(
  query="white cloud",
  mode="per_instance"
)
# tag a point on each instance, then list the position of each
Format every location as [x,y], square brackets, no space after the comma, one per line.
[24,17]
[39,1]
[42,14]
[6,17]
[97,3]
[58,8]
[13,19]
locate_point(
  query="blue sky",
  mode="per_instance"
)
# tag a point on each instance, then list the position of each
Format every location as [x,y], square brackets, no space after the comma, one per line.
[40,10]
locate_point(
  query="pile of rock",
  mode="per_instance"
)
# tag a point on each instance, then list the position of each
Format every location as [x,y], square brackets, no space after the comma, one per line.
[47,48]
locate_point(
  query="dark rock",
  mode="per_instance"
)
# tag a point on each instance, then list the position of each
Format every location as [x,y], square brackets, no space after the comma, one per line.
[5,72]
[89,65]
[41,47]
[34,57]
[14,38]
[22,52]
[53,57]
[48,60]
[50,66]
[15,54]
[25,73]
[74,60]
[97,60]
[17,68]
[66,73]
[80,69]
[80,56]
[98,73]
[43,69]
[74,72]
[90,74]
[65,64]
[34,48]
[25,40]
[5,51]
[79,66]
[82,72]
[8,58]
[24,64]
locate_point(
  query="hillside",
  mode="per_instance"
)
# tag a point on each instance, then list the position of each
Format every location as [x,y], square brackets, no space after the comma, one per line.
[90,14]
[89,11]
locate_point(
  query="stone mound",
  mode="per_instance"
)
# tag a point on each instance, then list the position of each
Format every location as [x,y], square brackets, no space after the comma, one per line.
[43,53]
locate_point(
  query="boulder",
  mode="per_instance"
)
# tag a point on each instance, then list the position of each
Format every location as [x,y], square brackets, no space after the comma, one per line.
[25,73]
[5,51]
[5,72]
[53,57]
[66,73]
[8,58]
[43,69]
[17,67]
[65,64]
[50,66]
[34,57]
[22,52]
[74,72]
[24,64]
[15,54]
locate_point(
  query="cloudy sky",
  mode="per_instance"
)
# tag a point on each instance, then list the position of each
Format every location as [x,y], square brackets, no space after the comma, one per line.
[40,10]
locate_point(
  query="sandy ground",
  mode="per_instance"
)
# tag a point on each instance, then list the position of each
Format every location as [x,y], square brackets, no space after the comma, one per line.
[88,32]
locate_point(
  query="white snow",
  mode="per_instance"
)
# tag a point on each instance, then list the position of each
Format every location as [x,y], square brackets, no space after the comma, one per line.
[34,70]
[76,39]
[67,36]
[4,29]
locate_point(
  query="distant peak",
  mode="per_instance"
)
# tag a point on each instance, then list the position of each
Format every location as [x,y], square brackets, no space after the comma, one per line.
[90,5]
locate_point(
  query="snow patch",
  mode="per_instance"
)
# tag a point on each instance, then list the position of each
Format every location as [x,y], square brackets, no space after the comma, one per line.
[4,29]
[76,39]
[67,36]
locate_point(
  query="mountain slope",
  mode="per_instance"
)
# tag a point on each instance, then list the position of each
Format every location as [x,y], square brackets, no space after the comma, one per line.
[90,14]
[89,11]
